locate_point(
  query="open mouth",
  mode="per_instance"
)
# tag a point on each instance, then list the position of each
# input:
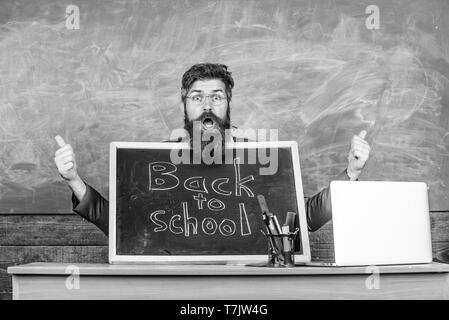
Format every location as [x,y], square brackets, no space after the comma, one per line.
[208,123]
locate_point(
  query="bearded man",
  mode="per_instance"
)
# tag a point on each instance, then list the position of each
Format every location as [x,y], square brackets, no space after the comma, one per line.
[206,93]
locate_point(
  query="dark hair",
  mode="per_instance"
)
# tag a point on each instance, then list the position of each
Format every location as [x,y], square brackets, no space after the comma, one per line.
[206,71]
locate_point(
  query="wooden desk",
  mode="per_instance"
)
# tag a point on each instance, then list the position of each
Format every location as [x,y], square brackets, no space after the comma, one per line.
[234,282]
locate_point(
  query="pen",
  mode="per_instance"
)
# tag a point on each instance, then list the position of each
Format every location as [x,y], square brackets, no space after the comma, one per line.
[276,223]
[270,235]
[285,230]
[290,220]
[276,230]
[273,224]
[287,248]
[271,227]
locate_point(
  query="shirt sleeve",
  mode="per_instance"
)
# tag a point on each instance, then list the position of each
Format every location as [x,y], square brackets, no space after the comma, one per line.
[93,207]
[319,207]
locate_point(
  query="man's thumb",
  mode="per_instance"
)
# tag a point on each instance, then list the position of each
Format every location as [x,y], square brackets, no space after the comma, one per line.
[362,134]
[60,141]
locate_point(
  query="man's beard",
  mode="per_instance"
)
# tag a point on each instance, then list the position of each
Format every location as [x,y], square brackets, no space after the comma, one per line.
[207,122]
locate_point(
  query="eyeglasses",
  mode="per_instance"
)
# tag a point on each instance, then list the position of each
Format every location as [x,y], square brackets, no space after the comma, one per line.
[199,98]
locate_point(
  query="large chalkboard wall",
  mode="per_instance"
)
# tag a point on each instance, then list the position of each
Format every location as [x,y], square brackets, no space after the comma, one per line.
[311,69]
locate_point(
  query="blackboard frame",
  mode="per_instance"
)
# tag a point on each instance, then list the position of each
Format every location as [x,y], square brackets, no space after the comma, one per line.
[114,258]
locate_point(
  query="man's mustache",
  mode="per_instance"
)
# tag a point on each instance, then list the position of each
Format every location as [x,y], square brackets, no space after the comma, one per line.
[209,121]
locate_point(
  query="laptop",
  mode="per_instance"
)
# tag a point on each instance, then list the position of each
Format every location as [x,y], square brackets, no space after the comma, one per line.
[380,223]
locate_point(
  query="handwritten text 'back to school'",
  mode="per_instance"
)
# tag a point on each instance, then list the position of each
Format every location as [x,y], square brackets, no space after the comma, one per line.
[163,178]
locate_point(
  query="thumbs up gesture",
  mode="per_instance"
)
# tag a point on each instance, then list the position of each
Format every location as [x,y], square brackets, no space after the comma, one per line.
[66,164]
[65,160]
[358,155]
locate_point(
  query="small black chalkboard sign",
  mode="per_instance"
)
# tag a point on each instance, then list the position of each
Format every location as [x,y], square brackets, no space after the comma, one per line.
[167,207]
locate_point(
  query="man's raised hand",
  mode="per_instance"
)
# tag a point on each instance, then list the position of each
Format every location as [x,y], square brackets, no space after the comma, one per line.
[65,160]
[358,155]
[66,164]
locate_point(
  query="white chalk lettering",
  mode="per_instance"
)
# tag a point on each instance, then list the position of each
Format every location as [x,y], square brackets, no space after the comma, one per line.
[239,183]
[189,221]
[227,227]
[193,184]
[161,174]
[216,186]
[215,205]
[209,226]
[245,228]
[160,225]
[199,200]
[172,226]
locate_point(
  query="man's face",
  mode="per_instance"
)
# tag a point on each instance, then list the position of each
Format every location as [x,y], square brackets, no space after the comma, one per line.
[206,87]
[207,110]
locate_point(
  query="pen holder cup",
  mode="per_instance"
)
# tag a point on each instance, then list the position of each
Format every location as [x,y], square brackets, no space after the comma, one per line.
[281,249]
